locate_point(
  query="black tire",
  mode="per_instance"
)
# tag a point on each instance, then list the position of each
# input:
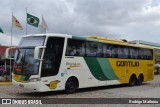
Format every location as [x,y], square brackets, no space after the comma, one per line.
[71,85]
[132,80]
[140,80]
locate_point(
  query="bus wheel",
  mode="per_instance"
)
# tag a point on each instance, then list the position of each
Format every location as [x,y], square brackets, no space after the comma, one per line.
[132,80]
[71,85]
[140,79]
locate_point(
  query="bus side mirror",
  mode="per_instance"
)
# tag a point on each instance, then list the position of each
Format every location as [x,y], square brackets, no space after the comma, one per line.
[9,53]
[38,52]
[6,55]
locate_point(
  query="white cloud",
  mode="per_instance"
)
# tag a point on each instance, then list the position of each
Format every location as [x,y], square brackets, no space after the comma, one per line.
[6,40]
[127,19]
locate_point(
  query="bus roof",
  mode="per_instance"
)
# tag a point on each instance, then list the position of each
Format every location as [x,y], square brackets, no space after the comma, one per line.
[50,35]
[91,38]
[110,41]
[105,39]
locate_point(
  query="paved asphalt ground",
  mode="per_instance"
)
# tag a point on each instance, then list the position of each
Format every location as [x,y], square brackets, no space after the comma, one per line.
[146,90]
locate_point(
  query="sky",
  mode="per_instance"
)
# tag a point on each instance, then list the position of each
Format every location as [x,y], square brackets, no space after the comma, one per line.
[119,19]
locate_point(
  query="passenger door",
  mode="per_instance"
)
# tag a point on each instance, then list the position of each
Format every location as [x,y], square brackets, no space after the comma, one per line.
[52,56]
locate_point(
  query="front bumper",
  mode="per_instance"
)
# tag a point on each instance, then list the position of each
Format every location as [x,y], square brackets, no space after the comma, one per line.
[31,86]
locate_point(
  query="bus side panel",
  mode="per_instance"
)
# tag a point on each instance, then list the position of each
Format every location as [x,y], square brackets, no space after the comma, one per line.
[102,70]
[76,66]
[90,71]
[124,68]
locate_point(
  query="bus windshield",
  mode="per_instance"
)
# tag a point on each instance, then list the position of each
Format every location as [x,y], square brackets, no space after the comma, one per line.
[25,64]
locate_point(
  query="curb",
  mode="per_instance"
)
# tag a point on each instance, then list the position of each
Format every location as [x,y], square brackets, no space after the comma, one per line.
[5,83]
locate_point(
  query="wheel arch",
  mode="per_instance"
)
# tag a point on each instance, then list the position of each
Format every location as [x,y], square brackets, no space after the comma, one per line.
[141,74]
[132,79]
[72,76]
[133,74]
[71,85]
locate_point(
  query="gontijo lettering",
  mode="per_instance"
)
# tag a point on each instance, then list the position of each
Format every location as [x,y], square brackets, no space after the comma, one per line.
[127,64]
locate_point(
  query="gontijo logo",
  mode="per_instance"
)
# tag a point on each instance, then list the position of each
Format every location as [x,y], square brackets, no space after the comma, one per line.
[127,63]
[53,84]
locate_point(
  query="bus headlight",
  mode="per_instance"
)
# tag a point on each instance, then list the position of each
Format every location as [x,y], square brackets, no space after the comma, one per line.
[33,79]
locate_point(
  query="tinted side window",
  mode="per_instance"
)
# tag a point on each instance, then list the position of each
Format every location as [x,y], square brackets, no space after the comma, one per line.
[123,52]
[142,54]
[114,51]
[146,54]
[133,53]
[106,50]
[110,51]
[149,53]
[91,49]
[75,48]
[94,49]
[100,50]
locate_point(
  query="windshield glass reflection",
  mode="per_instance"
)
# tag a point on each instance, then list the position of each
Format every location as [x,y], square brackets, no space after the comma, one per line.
[25,63]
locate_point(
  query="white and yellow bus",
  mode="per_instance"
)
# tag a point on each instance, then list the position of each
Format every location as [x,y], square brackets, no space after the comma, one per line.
[50,62]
